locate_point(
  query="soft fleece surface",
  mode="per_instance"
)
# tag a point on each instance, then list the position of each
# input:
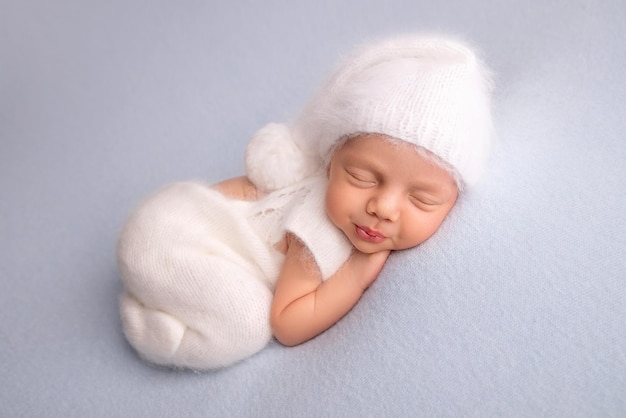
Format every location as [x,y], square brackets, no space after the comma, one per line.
[517,307]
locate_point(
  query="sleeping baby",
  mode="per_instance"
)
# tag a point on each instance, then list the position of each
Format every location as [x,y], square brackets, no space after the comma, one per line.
[373,163]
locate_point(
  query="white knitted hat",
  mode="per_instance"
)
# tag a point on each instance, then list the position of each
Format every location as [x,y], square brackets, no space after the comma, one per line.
[430,91]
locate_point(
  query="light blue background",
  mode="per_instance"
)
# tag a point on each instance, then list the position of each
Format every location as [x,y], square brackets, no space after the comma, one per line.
[517,306]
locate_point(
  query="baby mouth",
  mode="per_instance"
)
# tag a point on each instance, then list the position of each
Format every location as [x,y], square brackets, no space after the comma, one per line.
[368,234]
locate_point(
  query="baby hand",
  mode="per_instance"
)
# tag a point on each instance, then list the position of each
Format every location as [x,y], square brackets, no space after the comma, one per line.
[366,267]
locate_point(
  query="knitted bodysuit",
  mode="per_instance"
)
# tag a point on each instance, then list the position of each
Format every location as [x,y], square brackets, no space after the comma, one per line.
[199,269]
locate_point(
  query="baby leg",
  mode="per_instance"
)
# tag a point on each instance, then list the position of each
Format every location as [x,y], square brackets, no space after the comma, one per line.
[206,314]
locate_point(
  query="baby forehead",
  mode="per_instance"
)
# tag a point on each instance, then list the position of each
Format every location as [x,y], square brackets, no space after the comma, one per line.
[380,145]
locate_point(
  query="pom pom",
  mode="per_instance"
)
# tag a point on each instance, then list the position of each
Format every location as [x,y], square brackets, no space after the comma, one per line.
[273,160]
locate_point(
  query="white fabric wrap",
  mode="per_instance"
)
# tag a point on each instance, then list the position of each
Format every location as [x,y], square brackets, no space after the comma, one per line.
[300,209]
[198,269]
[328,245]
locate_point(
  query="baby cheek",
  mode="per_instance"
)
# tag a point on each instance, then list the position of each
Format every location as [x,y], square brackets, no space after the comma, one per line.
[416,231]
[412,237]
[431,226]
[339,205]
[331,206]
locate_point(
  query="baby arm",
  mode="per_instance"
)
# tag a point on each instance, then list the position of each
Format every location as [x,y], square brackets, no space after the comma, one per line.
[240,188]
[304,305]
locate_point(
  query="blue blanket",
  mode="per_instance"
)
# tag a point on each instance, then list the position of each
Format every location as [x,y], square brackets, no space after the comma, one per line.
[516,307]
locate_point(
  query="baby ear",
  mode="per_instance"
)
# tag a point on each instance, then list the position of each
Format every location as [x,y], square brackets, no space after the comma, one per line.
[273,160]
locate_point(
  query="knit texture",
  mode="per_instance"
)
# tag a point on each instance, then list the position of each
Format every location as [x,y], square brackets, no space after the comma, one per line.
[199,269]
[429,91]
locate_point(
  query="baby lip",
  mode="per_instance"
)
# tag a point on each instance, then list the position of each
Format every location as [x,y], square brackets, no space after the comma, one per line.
[371,232]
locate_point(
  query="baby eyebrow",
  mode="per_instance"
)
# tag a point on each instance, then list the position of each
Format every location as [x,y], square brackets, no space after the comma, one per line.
[425,189]
[362,168]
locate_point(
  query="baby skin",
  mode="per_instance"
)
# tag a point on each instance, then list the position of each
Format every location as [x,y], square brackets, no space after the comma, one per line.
[383,195]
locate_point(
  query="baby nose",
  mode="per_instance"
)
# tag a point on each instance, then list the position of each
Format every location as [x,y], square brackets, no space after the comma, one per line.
[385,206]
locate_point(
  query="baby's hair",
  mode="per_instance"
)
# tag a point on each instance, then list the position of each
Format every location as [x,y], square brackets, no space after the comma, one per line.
[421,151]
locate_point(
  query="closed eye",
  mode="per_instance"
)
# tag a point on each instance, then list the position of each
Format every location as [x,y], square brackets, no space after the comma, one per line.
[424,202]
[361,179]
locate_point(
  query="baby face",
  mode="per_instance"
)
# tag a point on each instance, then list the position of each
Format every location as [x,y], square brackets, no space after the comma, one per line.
[385,196]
